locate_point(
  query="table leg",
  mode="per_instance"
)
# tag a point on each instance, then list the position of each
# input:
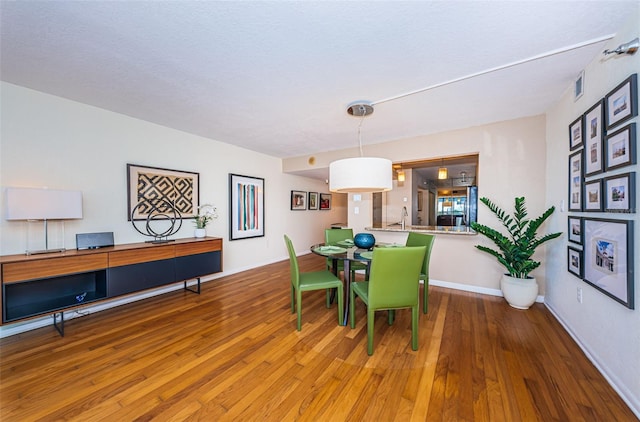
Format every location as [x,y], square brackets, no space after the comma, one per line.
[334,269]
[347,283]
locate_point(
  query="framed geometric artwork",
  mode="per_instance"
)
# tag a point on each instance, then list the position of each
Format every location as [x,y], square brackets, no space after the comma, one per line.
[620,148]
[620,193]
[622,102]
[576,134]
[246,207]
[575,181]
[298,200]
[574,261]
[155,190]
[325,201]
[575,229]
[593,195]
[313,200]
[594,130]
[608,258]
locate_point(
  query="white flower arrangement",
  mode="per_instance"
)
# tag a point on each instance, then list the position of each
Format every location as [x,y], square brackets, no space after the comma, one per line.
[206,213]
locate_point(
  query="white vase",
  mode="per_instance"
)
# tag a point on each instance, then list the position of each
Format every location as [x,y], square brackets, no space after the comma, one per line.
[520,293]
[200,232]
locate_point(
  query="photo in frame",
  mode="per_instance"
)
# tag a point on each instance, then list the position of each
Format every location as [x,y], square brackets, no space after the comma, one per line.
[594,130]
[593,195]
[578,86]
[622,102]
[313,201]
[155,190]
[608,258]
[574,229]
[246,207]
[298,200]
[325,201]
[620,193]
[576,134]
[620,148]
[574,261]
[575,181]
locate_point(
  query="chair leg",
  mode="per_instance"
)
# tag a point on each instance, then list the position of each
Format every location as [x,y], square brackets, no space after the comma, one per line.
[370,319]
[391,316]
[352,307]
[415,313]
[328,298]
[425,296]
[299,308]
[293,299]
[340,304]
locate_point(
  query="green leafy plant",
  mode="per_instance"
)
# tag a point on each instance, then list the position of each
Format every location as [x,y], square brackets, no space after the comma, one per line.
[515,250]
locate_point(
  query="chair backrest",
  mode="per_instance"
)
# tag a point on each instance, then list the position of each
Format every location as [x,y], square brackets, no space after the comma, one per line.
[332,236]
[419,239]
[293,262]
[394,278]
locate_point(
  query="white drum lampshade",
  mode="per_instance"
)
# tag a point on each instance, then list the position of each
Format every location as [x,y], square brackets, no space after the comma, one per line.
[361,174]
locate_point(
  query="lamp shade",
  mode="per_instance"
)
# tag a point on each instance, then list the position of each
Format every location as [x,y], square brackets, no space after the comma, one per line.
[443,173]
[361,174]
[42,204]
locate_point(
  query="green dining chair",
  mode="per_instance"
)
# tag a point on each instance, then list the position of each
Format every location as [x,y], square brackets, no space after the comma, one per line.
[393,284]
[332,237]
[419,239]
[316,280]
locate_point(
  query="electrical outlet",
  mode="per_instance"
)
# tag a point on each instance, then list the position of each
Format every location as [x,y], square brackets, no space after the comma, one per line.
[579,297]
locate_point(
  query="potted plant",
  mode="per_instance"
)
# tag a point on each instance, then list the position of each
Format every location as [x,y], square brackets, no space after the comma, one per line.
[205,214]
[515,250]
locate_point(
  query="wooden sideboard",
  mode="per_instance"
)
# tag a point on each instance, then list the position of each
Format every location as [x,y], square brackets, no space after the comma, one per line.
[35,285]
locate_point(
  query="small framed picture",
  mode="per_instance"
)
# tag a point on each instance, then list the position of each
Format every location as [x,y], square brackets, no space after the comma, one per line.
[575,181]
[576,139]
[578,86]
[298,200]
[325,201]
[620,148]
[313,200]
[574,261]
[594,129]
[608,258]
[575,229]
[622,102]
[620,193]
[593,195]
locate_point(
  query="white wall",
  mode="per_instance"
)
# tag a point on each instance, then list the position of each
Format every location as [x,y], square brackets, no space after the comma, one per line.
[607,331]
[50,141]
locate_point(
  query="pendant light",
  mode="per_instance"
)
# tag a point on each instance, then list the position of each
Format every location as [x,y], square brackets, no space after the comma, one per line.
[360,174]
[443,173]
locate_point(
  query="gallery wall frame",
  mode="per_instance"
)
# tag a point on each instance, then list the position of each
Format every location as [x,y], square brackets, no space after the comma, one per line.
[620,148]
[313,200]
[246,207]
[608,258]
[622,102]
[298,200]
[574,261]
[325,201]
[576,134]
[593,139]
[593,195]
[575,181]
[620,193]
[153,189]
[574,229]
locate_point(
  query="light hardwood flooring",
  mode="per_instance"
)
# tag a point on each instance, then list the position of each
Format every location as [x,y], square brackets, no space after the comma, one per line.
[233,354]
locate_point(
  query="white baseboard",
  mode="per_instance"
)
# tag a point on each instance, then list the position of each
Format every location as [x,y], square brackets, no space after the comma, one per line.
[473,289]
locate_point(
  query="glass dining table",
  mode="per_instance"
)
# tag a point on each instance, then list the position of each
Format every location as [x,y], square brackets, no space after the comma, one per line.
[346,252]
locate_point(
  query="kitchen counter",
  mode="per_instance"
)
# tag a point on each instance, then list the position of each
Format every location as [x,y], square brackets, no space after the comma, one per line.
[454,230]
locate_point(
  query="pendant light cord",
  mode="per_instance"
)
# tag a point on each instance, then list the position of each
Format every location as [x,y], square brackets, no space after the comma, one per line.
[362,110]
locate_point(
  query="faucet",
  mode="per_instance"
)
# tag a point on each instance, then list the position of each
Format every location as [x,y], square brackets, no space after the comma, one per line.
[404,214]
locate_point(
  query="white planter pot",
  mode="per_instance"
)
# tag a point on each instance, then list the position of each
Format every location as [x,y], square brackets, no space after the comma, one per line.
[200,232]
[520,293]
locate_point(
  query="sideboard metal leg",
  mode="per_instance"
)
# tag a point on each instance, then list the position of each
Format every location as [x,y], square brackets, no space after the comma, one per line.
[197,290]
[59,327]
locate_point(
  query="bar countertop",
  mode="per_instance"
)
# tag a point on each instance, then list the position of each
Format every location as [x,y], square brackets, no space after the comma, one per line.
[454,230]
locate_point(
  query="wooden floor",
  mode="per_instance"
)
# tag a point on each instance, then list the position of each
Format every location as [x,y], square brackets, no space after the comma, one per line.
[233,353]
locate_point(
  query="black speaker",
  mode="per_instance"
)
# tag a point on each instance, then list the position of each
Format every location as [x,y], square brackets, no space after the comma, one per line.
[94,240]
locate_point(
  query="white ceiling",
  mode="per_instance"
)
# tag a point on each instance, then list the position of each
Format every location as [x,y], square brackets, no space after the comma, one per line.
[276,77]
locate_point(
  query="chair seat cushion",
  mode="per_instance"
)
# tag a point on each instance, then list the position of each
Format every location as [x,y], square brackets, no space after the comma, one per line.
[318,280]
[362,290]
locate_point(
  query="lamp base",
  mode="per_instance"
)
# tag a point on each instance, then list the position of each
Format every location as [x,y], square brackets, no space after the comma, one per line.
[45,251]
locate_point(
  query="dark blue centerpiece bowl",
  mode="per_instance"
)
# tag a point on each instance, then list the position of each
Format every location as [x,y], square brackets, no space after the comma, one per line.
[364,240]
